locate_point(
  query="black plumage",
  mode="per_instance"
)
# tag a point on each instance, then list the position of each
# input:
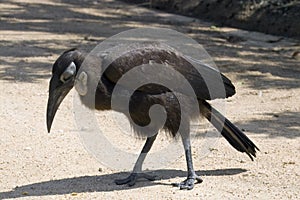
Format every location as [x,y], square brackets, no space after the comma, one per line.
[177,123]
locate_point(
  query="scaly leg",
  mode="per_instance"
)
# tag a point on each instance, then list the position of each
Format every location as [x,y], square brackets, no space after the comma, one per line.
[137,170]
[188,183]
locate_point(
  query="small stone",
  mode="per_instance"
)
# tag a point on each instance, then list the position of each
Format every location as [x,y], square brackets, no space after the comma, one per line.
[73,194]
[27,148]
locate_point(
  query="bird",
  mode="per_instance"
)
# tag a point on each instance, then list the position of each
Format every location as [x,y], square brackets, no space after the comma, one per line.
[65,72]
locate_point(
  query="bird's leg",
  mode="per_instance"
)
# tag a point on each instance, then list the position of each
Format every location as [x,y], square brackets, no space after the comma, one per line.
[137,170]
[188,183]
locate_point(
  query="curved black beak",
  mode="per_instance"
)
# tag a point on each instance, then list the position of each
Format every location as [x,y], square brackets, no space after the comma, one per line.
[57,92]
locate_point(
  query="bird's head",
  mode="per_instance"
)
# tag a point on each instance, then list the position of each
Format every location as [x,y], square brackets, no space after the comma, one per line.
[62,81]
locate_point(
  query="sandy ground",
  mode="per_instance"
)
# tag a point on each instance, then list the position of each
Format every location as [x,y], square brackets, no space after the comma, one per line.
[38,165]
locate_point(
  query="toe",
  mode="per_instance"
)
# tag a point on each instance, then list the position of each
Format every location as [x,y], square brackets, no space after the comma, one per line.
[198,179]
[130,180]
[121,181]
[186,187]
[146,176]
[188,184]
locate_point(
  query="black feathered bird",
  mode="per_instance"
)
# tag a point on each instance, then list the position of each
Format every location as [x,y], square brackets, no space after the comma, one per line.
[68,64]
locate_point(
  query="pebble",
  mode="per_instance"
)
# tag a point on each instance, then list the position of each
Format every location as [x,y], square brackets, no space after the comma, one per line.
[27,148]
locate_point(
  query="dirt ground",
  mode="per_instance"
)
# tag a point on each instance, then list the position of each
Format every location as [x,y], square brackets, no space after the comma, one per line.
[279,17]
[36,165]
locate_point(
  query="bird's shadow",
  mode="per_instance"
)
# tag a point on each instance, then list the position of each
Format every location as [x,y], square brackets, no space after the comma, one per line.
[102,183]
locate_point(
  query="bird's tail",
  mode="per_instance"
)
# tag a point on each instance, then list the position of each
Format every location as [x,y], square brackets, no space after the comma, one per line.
[231,133]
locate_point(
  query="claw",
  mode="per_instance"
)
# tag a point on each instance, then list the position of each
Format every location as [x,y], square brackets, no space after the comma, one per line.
[133,177]
[188,183]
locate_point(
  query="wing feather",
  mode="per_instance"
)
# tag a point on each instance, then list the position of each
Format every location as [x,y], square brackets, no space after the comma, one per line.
[207,82]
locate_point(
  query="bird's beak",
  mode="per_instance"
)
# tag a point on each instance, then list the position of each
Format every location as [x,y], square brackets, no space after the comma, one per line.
[57,93]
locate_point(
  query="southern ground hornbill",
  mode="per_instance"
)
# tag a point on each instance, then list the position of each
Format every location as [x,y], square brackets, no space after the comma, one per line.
[67,67]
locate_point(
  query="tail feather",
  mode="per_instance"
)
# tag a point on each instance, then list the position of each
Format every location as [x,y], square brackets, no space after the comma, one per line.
[231,133]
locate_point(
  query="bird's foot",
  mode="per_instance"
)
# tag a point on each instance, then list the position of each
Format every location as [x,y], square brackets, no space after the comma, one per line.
[188,183]
[133,177]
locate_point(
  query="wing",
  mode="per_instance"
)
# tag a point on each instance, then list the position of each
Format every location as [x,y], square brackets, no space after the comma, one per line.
[207,82]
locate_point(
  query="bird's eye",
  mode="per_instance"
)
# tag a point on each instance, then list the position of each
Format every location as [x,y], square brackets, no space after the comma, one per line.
[65,77]
[68,73]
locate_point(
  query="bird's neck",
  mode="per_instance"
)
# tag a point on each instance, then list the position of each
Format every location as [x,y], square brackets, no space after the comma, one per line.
[103,94]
